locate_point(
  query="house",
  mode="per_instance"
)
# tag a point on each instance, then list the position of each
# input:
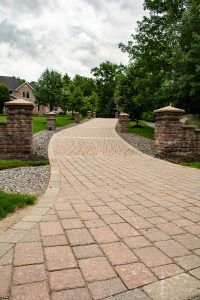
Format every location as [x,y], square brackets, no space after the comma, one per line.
[24,91]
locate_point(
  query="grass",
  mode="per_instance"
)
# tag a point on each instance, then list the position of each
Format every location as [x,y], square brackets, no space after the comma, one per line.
[10,202]
[191,164]
[145,131]
[7,164]
[39,122]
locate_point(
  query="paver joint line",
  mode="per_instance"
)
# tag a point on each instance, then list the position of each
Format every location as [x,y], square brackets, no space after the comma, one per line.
[113,224]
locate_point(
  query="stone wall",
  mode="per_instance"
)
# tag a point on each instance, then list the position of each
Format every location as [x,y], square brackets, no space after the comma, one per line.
[16,134]
[172,138]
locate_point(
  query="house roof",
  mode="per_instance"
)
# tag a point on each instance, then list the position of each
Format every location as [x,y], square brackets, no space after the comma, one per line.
[11,82]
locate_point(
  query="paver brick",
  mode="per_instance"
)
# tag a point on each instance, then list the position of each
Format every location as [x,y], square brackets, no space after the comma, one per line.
[103,235]
[66,279]
[59,257]
[88,215]
[171,248]
[72,223]
[95,269]
[103,210]
[28,253]
[51,228]
[154,234]
[79,237]
[188,262]
[170,228]
[135,275]
[31,291]
[152,257]
[170,270]
[137,242]
[87,251]
[102,289]
[112,219]
[124,230]
[5,280]
[54,240]
[74,294]
[29,274]
[118,253]
[189,241]
[94,223]
[136,294]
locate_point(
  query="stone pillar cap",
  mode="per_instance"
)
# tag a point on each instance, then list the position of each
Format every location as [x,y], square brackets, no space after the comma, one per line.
[123,114]
[19,102]
[169,109]
[51,113]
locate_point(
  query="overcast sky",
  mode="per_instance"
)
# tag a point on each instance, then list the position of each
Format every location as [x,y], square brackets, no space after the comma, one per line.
[70,36]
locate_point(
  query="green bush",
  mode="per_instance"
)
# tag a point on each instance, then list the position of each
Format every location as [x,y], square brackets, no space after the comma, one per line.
[148,116]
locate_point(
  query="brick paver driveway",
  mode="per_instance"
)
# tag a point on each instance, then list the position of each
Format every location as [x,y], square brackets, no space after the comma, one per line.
[113,224]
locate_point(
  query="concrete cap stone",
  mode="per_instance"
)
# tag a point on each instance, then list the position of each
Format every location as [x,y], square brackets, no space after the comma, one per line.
[19,102]
[51,113]
[169,109]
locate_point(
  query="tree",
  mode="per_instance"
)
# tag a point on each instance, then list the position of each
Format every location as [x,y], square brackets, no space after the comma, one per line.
[49,89]
[106,77]
[4,96]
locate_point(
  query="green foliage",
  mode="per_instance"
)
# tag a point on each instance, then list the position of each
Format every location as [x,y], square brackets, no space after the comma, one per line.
[11,202]
[191,165]
[148,116]
[49,89]
[4,96]
[7,164]
[106,75]
[143,129]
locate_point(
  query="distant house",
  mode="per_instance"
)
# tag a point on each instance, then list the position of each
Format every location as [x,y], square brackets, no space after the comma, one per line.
[23,91]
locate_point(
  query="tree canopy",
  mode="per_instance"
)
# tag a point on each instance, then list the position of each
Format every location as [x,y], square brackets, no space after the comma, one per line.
[4,96]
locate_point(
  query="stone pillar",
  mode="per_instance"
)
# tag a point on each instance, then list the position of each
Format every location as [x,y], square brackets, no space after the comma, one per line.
[77,117]
[19,127]
[94,114]
[124,118]
[89,114]
[116,115]
[168,129]
[51,121]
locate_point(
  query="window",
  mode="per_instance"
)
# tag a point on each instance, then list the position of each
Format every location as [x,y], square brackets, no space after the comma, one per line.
[26,95]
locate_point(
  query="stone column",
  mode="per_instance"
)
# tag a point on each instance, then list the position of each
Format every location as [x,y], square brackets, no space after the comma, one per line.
[168,129]
[124,118]
[94,114]
[116,115]
[51,121]
[19,134]
[77,117]
[89,114]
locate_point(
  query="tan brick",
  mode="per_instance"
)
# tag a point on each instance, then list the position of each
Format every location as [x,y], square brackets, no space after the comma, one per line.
[82,207]
[59,257]
[188,262]
[172,249]
[195,229]
[103,210]
[112,219]
[32,291]
[66,279]
[51,228]
[79,237]
[118,253]
[88,215]
[28,253]
[152,257]
[154,234]
[5,280]
[170,270]
[87,251]
[135,275]
[102,289]
[195,273]
[137,242]
[54,240]
[72,223]
[98,268]
[170,228]
[75,294]
[104,235]
[189,241]
[124,230]
[29,274]
[138,222]
[94,223]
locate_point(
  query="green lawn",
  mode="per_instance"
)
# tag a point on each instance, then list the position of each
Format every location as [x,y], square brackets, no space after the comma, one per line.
[146,131]
[39,122]
[191,164]
[10,202]
[7,164]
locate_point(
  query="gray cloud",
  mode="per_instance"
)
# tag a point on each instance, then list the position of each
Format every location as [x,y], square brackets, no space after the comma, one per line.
[18,38]
[19,6]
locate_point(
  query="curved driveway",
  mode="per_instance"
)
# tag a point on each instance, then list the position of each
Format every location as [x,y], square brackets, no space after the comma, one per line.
[113,224]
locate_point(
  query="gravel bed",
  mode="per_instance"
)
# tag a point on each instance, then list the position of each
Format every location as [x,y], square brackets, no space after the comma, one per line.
[30,180]
[26,180]
[139,142]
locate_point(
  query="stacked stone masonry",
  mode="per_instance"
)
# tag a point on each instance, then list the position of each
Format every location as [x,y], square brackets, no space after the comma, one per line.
[123,121]
[51,121]
[16,133]
[172,136]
